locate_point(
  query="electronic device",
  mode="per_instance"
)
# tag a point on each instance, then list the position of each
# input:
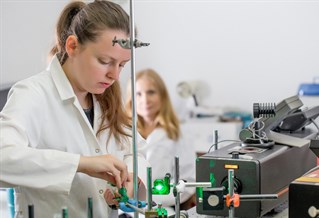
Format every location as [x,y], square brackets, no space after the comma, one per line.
[289,119]
[258,169]
[304,195]
[298,120]
[282,110]
[314,146]
[304,191]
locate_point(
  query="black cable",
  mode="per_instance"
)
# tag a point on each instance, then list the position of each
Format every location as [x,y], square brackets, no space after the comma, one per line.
[220,142]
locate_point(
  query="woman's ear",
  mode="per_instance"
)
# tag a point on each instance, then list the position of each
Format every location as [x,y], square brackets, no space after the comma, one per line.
[71,45]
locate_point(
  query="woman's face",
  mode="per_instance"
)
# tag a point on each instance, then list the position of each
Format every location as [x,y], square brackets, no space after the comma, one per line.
[148,99]
[96,65]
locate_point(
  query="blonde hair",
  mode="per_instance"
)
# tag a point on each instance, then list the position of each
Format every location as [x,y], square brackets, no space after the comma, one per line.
[87,22]
[166,118]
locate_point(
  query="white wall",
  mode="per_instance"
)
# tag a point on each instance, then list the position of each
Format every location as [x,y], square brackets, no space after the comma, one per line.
[242,51]
[27,34]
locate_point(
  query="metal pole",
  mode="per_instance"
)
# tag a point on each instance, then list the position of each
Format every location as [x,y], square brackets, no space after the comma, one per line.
[177,197]
[216,140]
[231,191]
[198,184]
[261,197]
[149,188]
[134,116]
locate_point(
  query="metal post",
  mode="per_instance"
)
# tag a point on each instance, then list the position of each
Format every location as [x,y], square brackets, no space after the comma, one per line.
[216,139]
[231,191]
[149,188]
[134,116]
[177,197]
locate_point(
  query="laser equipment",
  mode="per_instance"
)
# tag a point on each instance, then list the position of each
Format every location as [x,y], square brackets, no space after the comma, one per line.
[262,165]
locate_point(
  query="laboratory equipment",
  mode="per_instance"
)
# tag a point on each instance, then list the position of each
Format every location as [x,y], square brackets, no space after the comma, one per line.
[30,211]
[309,92]
[304,195]
[90,207]
[218,196]
[310,89]
[259,170]
[304,191]
[256,136]
[130,205]
[162,186]
[65,213]
[126,43]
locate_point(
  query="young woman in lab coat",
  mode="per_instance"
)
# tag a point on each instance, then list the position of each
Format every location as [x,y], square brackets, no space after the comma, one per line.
[159,125]
[64,132]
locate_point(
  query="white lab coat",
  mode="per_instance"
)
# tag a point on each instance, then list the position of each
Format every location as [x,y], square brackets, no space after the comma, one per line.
[43,133]
[160,153]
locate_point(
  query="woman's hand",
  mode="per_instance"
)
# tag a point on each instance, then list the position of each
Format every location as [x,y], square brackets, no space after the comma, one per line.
[109,197]
[129,185]
[105,167]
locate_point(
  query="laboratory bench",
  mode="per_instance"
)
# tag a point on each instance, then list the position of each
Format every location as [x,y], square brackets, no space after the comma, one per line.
[279,212]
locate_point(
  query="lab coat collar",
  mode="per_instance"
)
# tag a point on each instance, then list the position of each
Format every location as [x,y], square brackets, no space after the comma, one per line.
[62,83]
[66,91]
[156,135]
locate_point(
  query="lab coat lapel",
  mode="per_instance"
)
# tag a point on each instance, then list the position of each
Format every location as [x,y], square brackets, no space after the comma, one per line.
[156,135]
[66,93]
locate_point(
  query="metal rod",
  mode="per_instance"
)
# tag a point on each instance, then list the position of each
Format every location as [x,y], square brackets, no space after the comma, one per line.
[177,197]
[198,184]
[216,140]
[137,210]
[134,116]
[231,191]
[31,211]
[90,207]
[258,197]
[65,213]
[149,188]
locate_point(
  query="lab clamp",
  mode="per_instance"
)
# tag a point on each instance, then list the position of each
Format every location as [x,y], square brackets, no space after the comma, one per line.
[126,43]
[253,135]
[161,187]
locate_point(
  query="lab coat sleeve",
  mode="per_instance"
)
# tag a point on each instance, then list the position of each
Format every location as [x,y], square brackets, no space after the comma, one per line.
[22,164]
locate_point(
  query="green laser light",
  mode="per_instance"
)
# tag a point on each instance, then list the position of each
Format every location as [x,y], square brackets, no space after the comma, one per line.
[162,186]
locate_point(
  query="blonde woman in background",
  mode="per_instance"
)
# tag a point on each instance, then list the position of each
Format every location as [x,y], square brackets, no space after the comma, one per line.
[159,125]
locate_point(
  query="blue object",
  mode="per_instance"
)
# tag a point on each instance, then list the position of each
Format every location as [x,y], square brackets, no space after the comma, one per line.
[127,209]
[245,117]
[309,88]
[10,198]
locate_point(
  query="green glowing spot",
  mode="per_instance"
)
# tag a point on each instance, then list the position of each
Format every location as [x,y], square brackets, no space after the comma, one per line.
[162,186]
[161,212]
